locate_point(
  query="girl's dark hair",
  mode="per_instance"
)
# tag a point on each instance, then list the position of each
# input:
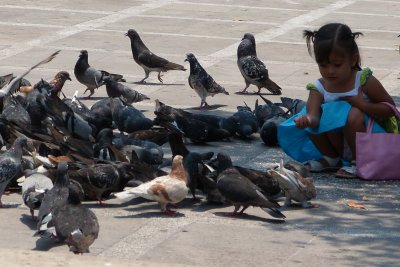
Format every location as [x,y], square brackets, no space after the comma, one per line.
[330,37]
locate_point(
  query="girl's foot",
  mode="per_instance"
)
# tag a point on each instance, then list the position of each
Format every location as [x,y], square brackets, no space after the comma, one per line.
[324,164]
[347,171]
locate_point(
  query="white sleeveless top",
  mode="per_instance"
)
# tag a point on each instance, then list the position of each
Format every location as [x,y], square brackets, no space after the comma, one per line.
[329,97]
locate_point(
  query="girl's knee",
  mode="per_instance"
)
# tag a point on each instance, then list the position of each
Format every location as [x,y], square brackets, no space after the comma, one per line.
[356,116]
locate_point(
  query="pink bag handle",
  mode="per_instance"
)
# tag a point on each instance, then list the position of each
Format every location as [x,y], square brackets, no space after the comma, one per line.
[371,120]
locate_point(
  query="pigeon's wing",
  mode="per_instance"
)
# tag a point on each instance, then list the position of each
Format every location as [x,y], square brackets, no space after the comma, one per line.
[8,168]
[151,60]
[253,68]
[190,82]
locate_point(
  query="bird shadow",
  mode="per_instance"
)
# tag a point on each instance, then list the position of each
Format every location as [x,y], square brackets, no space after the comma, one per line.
[91,98]
[249,217]
[28,221]
[210,107]
[156,84]
[252,93]
[44,244]
[152,214]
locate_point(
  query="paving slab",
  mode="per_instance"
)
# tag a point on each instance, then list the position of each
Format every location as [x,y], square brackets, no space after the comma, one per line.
[135,233]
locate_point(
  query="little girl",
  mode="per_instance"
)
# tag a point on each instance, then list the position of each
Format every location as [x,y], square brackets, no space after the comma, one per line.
[337,105]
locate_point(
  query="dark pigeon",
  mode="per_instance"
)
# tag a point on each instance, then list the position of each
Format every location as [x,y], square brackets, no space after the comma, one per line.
[147,60]
[191,162]
[75,224]
[269,130]
[252,69]
[246,122]
[10,164]
[240,191]
[202,82]
[126,94]
[128,119]
[89,76]
[100,178]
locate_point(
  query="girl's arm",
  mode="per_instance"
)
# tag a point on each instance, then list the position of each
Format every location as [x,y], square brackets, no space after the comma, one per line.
[376,93]
[311,119]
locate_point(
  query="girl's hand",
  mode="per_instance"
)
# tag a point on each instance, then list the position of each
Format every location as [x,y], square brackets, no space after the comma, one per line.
[304,121]
[357,100]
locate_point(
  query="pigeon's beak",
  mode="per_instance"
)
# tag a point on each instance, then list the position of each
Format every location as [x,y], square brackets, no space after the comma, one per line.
[186,60]
[126,34]
[69,78]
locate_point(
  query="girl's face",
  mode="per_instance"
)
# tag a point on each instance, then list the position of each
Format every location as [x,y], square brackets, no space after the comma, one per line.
[339,70]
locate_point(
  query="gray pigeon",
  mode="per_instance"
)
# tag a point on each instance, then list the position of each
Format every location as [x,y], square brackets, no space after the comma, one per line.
[10,164]
[253,70]
[75,224]
[54,198]
[147,60]
[89,76]
[202,82]
[240,191]
[33,190]
[126,94]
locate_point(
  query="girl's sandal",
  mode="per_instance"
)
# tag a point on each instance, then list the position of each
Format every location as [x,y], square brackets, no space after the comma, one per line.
[348,172]
[325,164]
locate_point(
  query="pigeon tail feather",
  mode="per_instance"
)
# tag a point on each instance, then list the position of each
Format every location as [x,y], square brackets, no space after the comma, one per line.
[174,66]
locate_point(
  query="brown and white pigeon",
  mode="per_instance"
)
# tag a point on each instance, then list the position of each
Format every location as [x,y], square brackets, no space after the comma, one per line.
[58,82]
[252,69]
[202,82]
[296,187]
[171,188]
[148,60]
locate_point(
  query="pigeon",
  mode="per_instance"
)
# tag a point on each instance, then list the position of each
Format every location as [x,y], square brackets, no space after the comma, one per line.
[252,69]
[246,122]
[126,94]
[166,189]
[10,87]
[33,189]
[127,118]
[147,60]
[202,82]
[240,191]
[10,164]
[296,187]
[269,130]
[58,81]
[75,224]
[267,111]
[89,76]
[99,178]
[191,162]
[54,198]
[5,79]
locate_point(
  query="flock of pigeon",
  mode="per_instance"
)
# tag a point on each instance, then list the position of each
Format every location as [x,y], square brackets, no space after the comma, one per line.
[62,152]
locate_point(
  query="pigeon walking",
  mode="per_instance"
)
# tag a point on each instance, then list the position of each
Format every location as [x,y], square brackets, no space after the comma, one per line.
[240,191]
[202,82]
[10,164]
[165,189]
[147,60]
[253,69]
[89,76]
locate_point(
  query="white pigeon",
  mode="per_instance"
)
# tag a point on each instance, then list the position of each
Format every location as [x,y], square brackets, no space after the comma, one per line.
[296,187]
[171,188]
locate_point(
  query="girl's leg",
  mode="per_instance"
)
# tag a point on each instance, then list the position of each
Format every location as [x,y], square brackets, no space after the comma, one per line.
[355,123]
[329,144]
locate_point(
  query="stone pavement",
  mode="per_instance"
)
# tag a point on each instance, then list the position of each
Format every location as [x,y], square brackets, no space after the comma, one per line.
[134,233]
